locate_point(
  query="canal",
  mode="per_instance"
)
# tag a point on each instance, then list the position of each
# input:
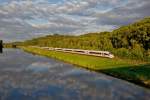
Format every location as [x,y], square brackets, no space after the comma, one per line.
[24,76]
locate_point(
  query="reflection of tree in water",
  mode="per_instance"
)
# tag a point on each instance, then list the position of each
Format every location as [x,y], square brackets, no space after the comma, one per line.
[14,46]
[1,46]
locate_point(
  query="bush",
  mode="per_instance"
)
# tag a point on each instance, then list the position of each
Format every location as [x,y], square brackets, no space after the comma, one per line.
[148,54]
[122,52]
[137,52]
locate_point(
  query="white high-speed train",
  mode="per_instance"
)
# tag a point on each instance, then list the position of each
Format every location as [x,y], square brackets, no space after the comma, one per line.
[85,52]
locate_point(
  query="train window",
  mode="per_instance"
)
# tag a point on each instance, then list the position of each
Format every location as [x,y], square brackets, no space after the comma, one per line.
[106,54]
[58,49]
[80,51]
[67,50]
[110,53]
[95,53]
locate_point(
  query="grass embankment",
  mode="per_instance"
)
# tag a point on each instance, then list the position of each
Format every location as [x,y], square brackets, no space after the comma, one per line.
[133,71]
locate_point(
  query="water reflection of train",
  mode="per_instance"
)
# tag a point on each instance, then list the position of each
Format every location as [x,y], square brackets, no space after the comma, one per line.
[85,52]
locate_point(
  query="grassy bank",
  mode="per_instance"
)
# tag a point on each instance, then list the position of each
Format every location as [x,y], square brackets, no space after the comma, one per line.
[133,71]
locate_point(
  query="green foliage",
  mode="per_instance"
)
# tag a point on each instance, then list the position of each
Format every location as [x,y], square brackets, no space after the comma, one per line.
[127,36]
[122,52]
[137,52]
[148,54]
[131,41]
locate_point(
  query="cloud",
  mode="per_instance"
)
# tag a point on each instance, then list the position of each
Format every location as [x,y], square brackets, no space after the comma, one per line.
[25,19]
[126,14]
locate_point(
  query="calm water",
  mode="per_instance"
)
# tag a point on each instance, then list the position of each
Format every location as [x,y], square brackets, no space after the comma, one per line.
[24,76]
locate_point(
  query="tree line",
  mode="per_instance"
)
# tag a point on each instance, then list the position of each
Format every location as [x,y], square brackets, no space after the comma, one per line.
[131,41]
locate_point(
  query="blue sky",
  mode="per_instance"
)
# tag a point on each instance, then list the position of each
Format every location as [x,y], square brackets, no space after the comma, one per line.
[26,19]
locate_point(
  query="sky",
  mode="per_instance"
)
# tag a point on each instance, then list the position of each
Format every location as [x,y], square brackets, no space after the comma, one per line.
[25,19]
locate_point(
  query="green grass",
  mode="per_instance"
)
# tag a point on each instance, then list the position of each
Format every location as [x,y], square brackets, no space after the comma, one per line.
[134,71]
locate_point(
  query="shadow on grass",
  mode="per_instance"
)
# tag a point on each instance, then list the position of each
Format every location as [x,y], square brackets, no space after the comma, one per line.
[139,74]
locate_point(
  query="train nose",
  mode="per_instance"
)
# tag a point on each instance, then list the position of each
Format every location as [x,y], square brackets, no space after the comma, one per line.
[111,56]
